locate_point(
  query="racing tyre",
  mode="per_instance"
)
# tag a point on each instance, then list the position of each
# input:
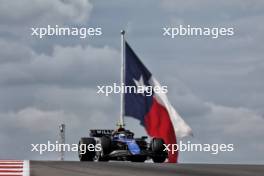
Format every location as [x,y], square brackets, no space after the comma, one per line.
[84,154]
[106,149]
[157,148]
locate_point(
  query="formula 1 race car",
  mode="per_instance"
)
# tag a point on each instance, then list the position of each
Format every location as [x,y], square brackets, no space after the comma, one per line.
[122,146]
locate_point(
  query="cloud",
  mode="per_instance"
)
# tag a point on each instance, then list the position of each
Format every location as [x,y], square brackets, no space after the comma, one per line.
[27,12]
[237,122]
[194,5]
[7,55]
[17,18]
[33,119]
[225,125]
[38,122]
[40,91]
[70,66]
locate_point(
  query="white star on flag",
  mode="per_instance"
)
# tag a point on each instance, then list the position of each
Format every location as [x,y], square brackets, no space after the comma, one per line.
[140,85]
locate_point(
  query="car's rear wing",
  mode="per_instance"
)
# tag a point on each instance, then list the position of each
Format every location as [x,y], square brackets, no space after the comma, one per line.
[100,132]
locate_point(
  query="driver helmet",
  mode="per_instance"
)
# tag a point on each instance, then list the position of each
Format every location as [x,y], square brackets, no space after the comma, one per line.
[122,136]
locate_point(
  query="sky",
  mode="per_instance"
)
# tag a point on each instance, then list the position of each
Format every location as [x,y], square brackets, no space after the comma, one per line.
[215,84]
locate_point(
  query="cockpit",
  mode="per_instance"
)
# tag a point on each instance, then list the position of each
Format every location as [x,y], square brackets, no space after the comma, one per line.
[123,135]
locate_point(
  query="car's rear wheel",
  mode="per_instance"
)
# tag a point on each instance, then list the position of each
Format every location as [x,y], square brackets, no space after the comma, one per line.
[84,153]
[157,147]
[106,149]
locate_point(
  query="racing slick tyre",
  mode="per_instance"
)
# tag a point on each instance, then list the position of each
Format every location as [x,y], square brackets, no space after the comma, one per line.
[84,153]
[106,149]
[157,148]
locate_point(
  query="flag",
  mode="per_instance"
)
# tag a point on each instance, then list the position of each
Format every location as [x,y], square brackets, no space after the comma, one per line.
[154,111]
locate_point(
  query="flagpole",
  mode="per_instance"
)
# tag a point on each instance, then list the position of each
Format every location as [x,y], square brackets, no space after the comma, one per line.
[122,81]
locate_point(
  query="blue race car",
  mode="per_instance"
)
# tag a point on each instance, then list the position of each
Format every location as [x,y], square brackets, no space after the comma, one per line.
[121,145]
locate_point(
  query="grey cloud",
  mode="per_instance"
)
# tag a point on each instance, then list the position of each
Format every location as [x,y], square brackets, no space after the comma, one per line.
[72,66]
[209,6]
[238,126]
[14,52]
[26,12]
[79,109]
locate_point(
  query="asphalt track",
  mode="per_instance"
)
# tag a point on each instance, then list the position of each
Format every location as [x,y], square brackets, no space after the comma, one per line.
[75,168]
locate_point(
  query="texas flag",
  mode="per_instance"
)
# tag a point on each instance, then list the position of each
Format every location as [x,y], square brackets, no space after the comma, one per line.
[154,111]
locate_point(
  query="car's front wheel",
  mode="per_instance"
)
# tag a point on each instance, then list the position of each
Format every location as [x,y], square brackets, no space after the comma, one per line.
[157,147]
